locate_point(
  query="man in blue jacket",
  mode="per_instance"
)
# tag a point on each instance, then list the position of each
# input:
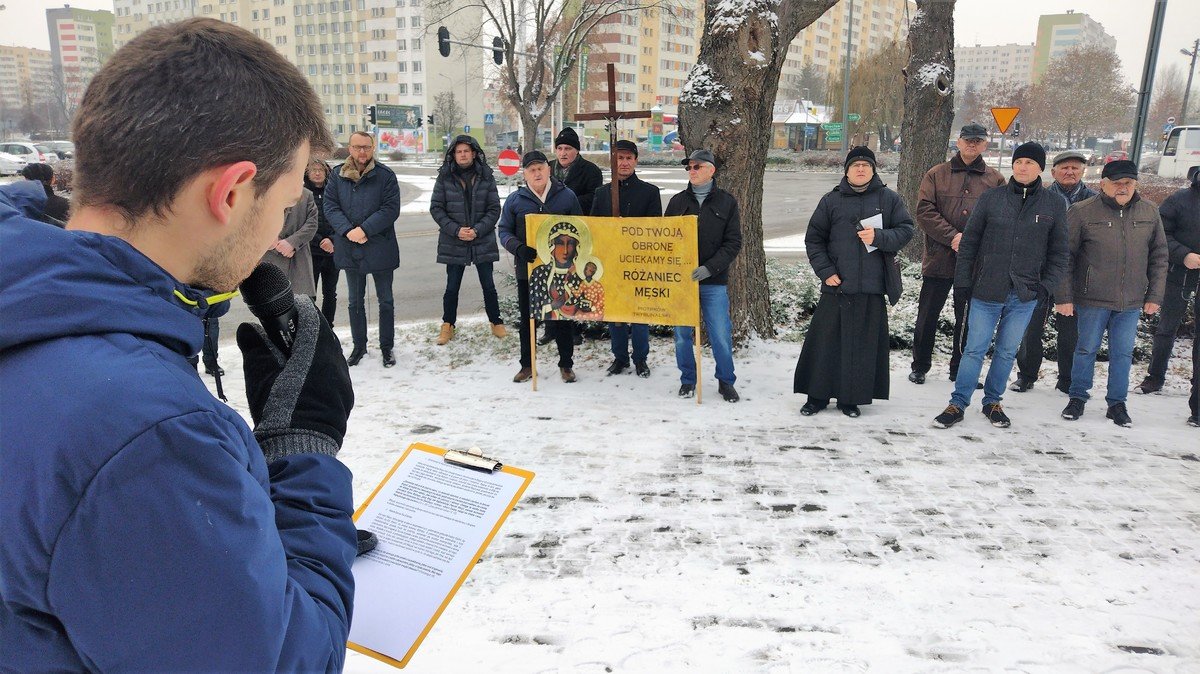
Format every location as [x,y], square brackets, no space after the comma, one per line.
[362,203]
[539,194]
[145,526]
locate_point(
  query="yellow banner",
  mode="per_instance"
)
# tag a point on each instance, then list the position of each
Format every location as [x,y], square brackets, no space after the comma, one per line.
[622,270]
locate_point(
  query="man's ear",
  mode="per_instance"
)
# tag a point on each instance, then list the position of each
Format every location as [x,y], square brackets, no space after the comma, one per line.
[227,188]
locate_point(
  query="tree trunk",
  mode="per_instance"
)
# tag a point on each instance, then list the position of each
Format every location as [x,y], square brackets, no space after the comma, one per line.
[928,99]
[726,107]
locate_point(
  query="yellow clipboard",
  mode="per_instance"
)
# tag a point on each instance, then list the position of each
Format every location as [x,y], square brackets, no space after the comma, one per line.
[473,460]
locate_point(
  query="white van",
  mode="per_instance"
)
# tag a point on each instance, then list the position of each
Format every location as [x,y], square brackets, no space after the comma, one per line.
[1181,153]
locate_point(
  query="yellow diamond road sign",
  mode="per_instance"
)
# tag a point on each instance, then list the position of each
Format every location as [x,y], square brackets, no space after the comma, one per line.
[1004,117]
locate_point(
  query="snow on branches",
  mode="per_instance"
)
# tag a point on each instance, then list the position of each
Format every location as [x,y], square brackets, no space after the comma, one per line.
[729,15]
[702,89]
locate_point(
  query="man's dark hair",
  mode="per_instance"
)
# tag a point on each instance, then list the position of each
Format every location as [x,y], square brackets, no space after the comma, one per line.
[183,98]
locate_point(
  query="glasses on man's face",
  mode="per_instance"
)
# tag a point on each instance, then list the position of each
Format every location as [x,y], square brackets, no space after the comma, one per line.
[360,148]
[694,167]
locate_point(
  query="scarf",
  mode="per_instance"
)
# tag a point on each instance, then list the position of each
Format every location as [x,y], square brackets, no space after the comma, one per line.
[349,172]
[702,191]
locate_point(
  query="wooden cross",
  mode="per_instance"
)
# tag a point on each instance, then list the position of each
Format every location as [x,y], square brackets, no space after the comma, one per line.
[611,116]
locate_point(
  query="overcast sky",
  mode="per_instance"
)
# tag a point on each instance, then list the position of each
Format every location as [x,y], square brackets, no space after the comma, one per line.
[23,22]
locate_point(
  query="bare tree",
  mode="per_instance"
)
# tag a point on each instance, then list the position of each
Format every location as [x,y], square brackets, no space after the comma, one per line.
[1086,92]
[1168,99]
[447,113]
[876,94]
[542,40]
[726,107]
[928,98]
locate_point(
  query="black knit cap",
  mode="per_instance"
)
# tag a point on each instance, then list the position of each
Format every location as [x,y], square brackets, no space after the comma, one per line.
[567,137]
[1031,150]
[859,152]
[1121,168]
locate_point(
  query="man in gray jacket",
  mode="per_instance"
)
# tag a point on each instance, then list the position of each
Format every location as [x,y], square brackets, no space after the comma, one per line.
[1118,269]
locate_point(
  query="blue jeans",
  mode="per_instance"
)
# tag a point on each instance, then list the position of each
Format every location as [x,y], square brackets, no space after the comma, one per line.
[1122,331]
[620,333]
[356,285]
[1012,317]
[714,308]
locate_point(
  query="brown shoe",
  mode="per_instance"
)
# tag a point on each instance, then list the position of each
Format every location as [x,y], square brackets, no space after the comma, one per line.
[524,375]
[446,334]
[568,374]
[498,330]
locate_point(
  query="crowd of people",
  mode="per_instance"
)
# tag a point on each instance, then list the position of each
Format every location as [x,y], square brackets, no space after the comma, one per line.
[138,510]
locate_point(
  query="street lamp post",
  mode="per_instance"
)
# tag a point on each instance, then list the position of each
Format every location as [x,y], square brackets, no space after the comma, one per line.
[1186,90]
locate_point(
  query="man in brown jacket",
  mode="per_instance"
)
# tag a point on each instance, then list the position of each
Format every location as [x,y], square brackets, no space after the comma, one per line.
[947,195]
[1118,269]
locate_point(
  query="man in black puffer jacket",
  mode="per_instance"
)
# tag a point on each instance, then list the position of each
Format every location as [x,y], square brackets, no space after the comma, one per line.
[1180,214]
[466,206]
[1013,251]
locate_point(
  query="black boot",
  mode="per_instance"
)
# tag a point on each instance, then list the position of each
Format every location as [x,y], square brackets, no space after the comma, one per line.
[356,355]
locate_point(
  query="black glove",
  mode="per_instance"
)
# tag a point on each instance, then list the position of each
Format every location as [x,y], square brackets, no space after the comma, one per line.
[526,253]
[367,542]
[299,403]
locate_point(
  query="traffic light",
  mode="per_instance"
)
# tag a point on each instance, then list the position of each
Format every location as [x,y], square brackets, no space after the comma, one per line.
[1016,132]
[371,113]
[498,50]
[431,120]
[443,41]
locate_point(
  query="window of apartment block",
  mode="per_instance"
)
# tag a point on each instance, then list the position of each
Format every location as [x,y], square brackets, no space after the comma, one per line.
[254,15]
[324,49]
[416,88]
[339,108]
[415,22]
[402,67]
[324,68]
[346,28]
[299,51]
[296,11]
[403,89]
[310,29]
[353,109]
[416,66]
[312,50]
[362,5]
[335,28]
[400,22]
[323,28]
[362,89]
[417,43]
[308,9]
[312,70]
[337,89]
[401,45]
[362,25]
[299,31]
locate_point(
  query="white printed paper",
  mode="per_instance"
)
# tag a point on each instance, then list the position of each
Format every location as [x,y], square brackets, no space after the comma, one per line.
[874,222]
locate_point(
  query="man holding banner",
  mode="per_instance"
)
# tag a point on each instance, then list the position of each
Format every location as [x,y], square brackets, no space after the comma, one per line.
[719,241]
[540,194]
[639,199]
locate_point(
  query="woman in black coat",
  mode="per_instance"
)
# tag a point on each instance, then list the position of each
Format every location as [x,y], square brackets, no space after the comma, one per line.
[852,241]
[466,205]
[325,272]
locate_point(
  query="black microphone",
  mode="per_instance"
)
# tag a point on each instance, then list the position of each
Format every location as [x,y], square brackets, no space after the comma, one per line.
[268,295]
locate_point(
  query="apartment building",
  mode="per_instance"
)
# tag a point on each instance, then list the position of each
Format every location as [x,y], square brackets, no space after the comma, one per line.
[981,65]
[26,84]
[81,41]
[1057,33]
[823,42]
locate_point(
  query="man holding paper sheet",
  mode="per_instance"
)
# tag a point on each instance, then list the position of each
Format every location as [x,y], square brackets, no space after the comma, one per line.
[145,526]
[852,241]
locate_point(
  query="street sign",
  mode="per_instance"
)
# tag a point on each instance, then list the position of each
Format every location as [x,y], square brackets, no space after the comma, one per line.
[508,162]
[833,136]
[466,128]
[1004,117]
[832,126]
[1170,120]
[489,119]
[853,117]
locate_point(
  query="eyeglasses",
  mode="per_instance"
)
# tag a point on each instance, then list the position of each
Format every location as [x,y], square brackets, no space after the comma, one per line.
[361,148]
[694,167]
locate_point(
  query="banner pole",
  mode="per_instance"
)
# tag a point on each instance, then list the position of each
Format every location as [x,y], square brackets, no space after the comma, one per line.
[699,379]
[533,351]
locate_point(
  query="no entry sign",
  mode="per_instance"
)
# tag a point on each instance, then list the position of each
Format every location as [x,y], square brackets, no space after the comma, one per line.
[508,162]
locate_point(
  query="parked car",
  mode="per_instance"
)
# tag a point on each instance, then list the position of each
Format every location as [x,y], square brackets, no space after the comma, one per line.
[1115,155]
[11,164]
[28,152]
[65,149]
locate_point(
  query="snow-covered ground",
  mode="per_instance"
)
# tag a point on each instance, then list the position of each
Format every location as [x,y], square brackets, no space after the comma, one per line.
[664,536]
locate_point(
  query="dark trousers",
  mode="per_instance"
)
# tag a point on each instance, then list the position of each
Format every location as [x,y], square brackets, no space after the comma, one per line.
[561,331]
[212,333]
[326,275]
[454,277]
[1194,400]
[620,335]
[1029,357]
[934,292]
[356,284]
[1169,317]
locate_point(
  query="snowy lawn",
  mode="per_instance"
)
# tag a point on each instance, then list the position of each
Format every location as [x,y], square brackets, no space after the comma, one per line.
[665,536]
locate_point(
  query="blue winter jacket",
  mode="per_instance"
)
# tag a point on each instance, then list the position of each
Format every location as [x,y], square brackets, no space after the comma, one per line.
[560,200]
[140,527]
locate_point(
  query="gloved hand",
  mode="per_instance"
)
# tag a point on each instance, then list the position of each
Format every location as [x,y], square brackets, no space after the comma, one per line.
[700,273]
[526,253]
[299,403]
